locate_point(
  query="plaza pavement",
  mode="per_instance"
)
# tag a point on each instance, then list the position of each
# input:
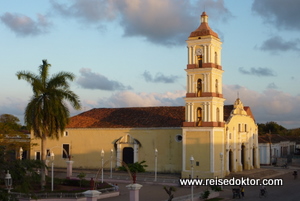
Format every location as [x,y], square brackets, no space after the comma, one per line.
[153,191]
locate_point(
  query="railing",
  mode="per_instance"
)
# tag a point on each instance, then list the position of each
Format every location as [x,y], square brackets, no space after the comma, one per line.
[57,195]
[47,195]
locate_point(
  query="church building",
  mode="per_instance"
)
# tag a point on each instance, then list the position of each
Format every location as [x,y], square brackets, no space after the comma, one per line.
[219,138]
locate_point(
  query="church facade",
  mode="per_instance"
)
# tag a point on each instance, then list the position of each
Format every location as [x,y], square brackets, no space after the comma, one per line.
[220,138]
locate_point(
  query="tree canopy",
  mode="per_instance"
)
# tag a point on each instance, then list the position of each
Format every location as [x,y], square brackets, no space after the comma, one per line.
[272,128]
[9,124]
[11,135]
[47,112]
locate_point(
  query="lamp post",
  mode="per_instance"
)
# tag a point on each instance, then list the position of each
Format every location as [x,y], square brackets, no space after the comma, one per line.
[8,181]
[52,165]
[102,157]
[155,173]
[21,153]
[192,175]
[111,156]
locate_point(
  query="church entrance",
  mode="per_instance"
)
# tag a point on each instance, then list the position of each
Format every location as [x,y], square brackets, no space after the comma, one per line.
[243,156]
[230,160]
[128,156]
[253,157]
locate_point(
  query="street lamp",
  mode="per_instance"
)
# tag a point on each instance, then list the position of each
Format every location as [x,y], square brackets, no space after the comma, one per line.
[155,177]
[21,153]
[102,156]
[8,181]
[111,156]
[52,165]
[192,175]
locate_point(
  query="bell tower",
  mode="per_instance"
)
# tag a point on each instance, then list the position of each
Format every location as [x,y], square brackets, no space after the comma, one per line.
[204,98]
[203,128]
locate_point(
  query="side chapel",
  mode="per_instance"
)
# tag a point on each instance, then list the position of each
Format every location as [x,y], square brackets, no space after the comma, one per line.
[221,138]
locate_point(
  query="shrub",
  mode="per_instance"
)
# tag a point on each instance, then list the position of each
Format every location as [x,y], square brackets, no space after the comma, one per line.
[205,194]
[216,188]
[81,176]
[135,167]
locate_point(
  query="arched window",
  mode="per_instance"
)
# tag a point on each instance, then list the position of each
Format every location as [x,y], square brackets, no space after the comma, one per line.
[218,114]
[199,87]
[199,116]
[217,86]
[216,59]
[199,57]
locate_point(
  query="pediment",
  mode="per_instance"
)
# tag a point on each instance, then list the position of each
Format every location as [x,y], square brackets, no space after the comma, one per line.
[238,108]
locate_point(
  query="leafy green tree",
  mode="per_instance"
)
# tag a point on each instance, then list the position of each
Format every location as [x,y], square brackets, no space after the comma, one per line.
[47,114]
[23,173]
[271,127]
[295,132]
[11,137]
[9,124]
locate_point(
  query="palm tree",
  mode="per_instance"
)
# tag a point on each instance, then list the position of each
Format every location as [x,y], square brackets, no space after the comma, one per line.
[47,114]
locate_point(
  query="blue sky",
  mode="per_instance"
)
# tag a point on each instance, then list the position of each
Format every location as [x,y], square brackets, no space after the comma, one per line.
[132,53]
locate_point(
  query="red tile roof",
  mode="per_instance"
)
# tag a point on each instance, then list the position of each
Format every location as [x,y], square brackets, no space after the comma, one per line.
[203,30]
[227,111]
[134,117]
[249,112]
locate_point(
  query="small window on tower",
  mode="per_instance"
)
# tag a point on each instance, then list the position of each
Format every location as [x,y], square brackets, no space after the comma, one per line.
[199,87]
[199,116]
[217,86]
[199,61]
[216,59]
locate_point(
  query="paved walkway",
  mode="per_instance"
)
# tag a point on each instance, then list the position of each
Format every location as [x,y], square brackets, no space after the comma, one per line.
[153,191]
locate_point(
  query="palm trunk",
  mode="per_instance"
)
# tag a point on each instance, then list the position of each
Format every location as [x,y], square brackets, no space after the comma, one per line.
[43,153]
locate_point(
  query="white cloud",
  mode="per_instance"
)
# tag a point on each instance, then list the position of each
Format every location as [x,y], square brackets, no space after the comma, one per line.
[270,105]
[132,99]
[161,22]
[91,80]
[24,26]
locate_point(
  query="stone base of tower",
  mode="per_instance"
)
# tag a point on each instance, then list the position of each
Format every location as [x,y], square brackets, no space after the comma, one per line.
[204,145]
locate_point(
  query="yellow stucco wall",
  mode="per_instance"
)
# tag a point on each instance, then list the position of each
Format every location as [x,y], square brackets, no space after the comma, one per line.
[205,145]
[86,146]
[198,145]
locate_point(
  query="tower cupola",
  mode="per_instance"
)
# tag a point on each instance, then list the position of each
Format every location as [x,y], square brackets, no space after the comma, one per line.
[203,29]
